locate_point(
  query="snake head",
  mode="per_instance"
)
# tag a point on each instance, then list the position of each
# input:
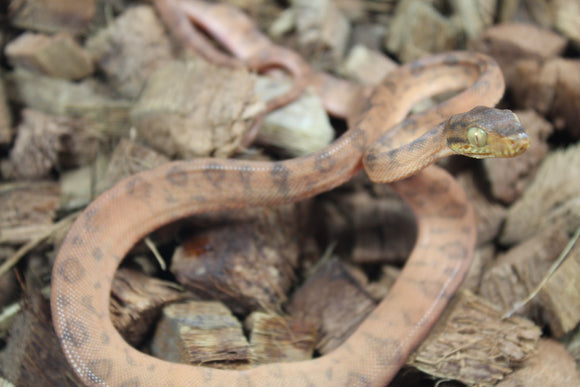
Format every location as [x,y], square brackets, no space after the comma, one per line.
[486,132]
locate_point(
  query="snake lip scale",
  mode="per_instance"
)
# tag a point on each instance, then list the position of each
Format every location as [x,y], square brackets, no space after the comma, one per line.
[390,147]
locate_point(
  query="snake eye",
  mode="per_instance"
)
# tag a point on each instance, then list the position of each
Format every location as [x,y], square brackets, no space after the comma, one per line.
[477,136]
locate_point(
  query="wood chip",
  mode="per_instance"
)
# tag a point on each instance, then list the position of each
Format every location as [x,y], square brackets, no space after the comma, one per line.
[276,338]
[136,301]
[551,365]
[366,66]
[509,177]
[551,88]
[370,229]
[489,214]
[560,297]
[27,209]
[519,270]
[45,142]
[248,263]
[561,15]
[299,128]
[418,30]
[9,287]
[334,300]
[508,43]
[52,15]
[322,30]
[474,15]
[201,332]
[550,199]
[190,109]
[33,355]
[102,114]
[130,49]
[57,56]
[127,159]
[5,116]
[471,343]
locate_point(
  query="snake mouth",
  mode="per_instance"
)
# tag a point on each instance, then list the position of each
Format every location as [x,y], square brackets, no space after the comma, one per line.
[516,145]
[509,146]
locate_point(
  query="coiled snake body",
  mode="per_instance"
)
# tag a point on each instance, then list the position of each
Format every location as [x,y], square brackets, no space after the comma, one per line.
[108,228]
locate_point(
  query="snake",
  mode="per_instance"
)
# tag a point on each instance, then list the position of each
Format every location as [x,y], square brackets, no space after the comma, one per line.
[391,147]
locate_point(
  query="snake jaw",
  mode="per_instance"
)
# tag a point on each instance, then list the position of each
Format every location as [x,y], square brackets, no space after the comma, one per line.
[486,132]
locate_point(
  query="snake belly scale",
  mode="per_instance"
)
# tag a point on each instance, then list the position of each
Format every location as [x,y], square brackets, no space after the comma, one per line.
[107,229]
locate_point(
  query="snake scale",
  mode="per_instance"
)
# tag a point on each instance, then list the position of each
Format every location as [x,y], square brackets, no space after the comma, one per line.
[379,138]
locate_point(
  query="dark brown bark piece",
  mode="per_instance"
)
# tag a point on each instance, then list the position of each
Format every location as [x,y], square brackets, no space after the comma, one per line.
[45,142]
[27,210]
[489,214]
[247,261]
[276,338]
[518,271]
[33,356]
[473,344]
[136,300]
[550,199]
[5,116]
[334,300]
[9,287]
[372,229]
[201,332]
[560,297]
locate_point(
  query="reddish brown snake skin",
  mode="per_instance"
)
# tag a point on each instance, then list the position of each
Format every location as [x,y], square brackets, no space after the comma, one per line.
[116,220]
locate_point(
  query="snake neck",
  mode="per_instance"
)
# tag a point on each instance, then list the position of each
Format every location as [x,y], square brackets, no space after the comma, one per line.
[385,164]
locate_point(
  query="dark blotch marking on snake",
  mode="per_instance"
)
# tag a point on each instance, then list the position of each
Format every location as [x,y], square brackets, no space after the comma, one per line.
[130,361]
[215,174]
[97,254]
[100,370]
[276,371]
[139,188]
[416,68]
[280,174]
[88,220]
[177,176]
[454,250]
[358,139]
[87,302]
[133,382]
[387,350]
[390,86]
[76,240]
[63,301]
[427,286]
[324,162]
[75,332]
[453,211]
[451,60]
[357,379]
[71,270]
[417,144]
[246,173]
